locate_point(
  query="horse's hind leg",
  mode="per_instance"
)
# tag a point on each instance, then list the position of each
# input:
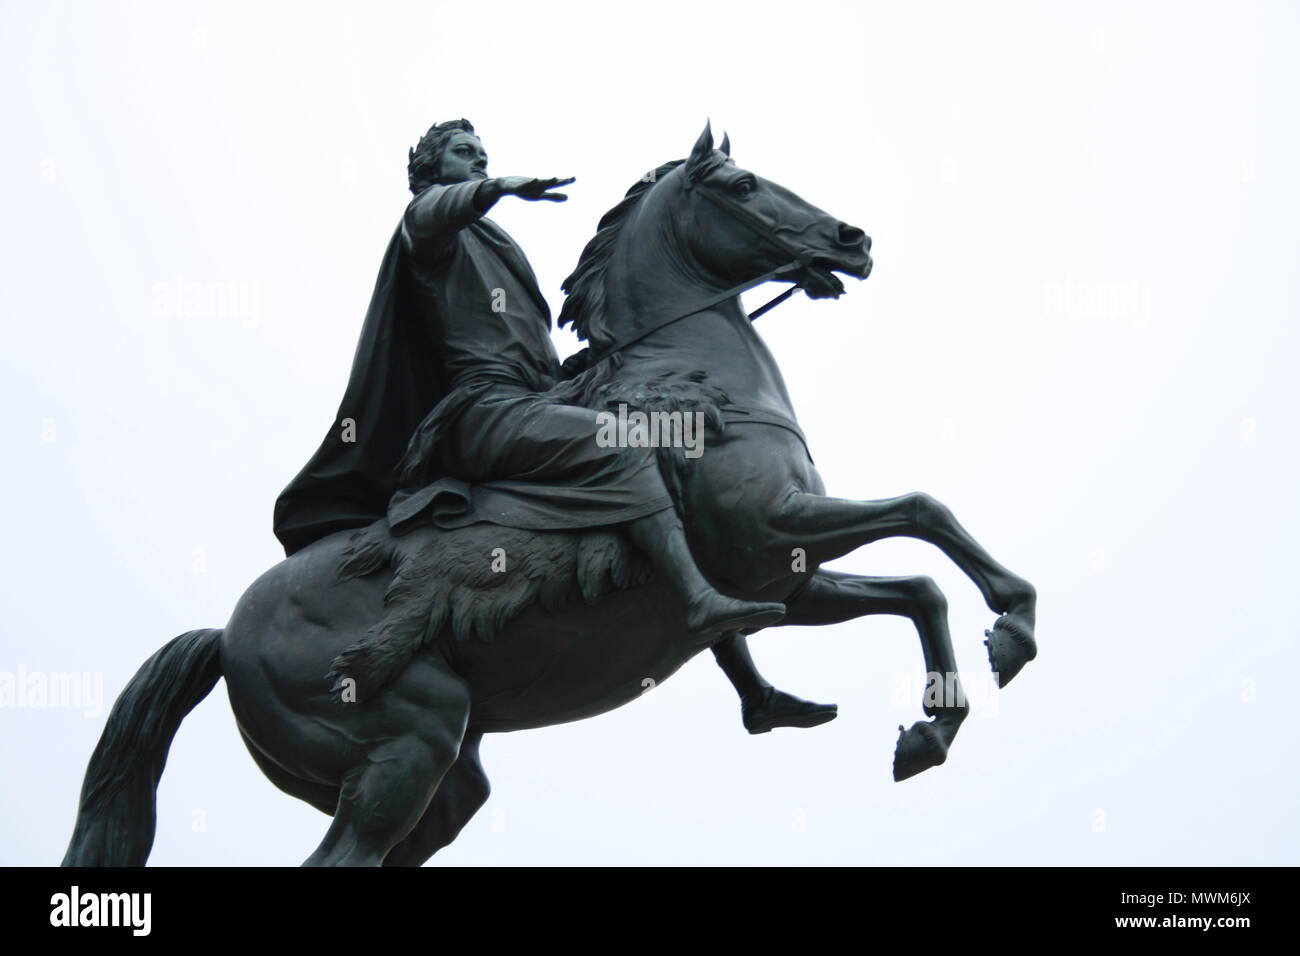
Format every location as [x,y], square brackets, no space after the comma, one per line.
[831,598]
[464,789]
[828,528]
[320,796]
[409,737]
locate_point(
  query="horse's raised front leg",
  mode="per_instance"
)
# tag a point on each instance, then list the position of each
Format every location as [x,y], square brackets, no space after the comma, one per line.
[828,528]
[831,598]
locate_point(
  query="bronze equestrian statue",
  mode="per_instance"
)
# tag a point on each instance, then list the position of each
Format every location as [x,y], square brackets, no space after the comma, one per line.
[458,335]
[424,605]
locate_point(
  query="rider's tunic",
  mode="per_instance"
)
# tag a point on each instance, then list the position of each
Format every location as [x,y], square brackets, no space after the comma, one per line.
[458,330]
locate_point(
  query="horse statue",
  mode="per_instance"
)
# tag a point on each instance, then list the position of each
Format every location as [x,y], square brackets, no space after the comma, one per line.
[364,670]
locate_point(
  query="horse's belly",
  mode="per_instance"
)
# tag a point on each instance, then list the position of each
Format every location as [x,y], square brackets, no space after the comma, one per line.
[550,668]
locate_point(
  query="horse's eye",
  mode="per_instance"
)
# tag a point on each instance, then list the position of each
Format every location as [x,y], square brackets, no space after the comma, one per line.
[743,189]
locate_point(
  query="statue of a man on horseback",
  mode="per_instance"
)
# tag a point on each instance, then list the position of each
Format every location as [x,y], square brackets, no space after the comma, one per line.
[457,343]
[455,381]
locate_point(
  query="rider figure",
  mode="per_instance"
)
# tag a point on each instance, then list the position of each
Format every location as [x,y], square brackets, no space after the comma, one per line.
[485,325]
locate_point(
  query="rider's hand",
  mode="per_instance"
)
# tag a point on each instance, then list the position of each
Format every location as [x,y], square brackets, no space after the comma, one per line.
[531,189]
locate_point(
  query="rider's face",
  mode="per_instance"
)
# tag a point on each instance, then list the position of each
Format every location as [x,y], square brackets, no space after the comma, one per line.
[463,159]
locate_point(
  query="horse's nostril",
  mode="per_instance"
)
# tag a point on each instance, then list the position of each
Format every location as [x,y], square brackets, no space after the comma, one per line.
[852,236]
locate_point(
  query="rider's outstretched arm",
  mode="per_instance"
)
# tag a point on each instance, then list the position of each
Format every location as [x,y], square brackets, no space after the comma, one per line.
[439,212]
[525,187]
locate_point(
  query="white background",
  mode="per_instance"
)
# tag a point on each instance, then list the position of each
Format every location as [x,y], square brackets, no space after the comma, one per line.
[1080,335]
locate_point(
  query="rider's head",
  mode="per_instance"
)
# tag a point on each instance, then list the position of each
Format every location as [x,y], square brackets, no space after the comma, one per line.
[448,153]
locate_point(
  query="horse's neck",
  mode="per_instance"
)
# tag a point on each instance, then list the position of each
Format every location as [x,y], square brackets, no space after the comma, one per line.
[721,341]
[651,279]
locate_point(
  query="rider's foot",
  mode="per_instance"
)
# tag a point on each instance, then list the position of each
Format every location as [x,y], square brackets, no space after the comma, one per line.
[776,708]
[711,614]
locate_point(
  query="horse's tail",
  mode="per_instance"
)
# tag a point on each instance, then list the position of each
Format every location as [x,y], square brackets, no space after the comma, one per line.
[117,815]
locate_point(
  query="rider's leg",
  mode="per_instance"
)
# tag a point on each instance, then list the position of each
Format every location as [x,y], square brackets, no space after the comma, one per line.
[528,439]
[709,613]
[762,706]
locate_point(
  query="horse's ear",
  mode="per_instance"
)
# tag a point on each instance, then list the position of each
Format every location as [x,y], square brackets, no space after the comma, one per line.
[726,144]
[702,148]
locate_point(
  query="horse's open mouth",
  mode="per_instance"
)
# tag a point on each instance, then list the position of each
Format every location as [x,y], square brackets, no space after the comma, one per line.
[819,282]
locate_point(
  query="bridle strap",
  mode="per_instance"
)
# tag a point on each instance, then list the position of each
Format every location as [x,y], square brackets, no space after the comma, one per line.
[638,334]
[753,223]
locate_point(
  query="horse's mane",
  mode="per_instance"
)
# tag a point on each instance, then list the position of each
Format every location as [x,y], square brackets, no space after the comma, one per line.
[584,306]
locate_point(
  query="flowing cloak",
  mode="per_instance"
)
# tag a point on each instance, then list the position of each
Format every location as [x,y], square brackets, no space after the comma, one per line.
[393,384]
[457,325]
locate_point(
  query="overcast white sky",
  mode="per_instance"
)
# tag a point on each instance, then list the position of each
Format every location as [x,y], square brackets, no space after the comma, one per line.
[1080,334]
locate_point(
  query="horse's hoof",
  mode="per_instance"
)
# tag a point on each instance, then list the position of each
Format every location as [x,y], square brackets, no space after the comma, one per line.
[920,747]
[1011,646]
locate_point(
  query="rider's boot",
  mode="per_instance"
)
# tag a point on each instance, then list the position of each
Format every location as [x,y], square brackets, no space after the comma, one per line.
[762,706]
[709,614]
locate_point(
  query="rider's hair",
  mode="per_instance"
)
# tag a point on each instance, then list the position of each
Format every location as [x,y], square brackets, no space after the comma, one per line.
[425,158]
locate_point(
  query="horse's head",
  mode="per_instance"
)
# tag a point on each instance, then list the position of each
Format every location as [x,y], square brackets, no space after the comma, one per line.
[740,226]
[695,229]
